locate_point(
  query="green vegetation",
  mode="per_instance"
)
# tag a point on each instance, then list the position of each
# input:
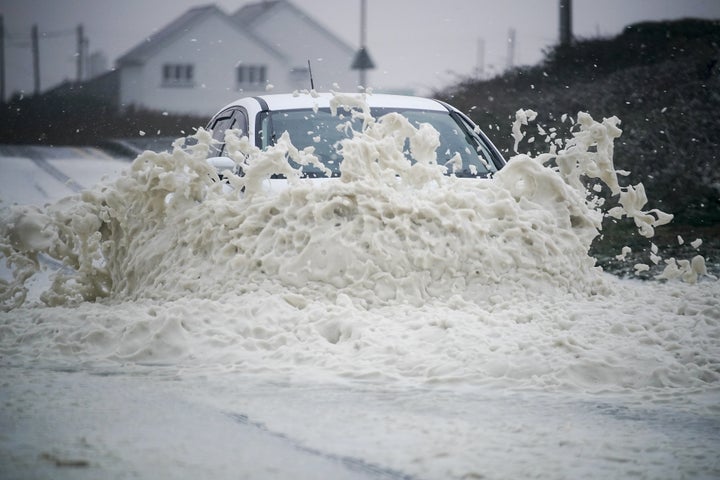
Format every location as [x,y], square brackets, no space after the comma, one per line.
[661,79]
[73,115]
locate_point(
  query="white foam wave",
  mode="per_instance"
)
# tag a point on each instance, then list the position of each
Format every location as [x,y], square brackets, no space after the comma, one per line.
[393,271]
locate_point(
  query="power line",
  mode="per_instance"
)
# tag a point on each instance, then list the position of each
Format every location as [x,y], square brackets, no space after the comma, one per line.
[49,34]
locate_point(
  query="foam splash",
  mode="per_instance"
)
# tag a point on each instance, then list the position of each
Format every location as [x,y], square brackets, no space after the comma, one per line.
[588,156]
[392,271]
[389,230]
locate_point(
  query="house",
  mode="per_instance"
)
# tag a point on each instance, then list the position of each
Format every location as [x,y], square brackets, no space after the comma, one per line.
[207,58]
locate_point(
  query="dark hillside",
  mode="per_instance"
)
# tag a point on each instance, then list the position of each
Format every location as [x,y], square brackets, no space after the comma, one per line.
[661,79]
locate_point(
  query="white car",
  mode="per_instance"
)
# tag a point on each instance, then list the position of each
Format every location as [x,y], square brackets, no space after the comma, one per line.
[309,121]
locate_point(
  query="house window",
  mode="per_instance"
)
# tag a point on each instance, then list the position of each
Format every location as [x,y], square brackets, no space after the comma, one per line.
[178,75]
[251,75]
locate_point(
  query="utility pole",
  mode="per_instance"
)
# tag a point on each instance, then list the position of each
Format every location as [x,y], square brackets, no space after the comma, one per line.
[511,49]
[36,59]
[481,57]
[362,59]
[565,22]
[80,52]
[2,60]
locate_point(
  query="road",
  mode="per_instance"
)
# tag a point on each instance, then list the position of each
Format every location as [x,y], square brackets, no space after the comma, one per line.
[40,174]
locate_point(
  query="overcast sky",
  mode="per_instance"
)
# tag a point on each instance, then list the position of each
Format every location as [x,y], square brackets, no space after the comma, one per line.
[416,44]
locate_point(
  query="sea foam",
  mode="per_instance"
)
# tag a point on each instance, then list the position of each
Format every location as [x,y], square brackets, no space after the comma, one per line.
[392,271]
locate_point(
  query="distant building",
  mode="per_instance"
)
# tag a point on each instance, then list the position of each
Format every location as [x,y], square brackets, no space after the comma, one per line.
[206,58]
[97,64]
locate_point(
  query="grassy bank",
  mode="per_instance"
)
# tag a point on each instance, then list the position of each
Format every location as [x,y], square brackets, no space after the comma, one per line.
[662,79]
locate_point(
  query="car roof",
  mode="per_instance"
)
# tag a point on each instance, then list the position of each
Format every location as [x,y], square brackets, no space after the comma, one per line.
[297,101]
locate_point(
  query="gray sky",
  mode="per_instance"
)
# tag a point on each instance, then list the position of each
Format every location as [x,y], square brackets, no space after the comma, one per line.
[416,44]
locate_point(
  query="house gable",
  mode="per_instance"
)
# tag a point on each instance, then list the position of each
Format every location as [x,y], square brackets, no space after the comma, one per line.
[329,55]
[142,51]
[167,35]
[255,16]
[248,14]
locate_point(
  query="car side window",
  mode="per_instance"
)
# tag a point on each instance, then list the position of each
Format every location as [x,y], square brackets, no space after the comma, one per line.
[235,118]
[240,121]
[485,148]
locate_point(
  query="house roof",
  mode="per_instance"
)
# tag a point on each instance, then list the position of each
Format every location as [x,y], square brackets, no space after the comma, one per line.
[140,53]
[249,15]
[241,20]
[144,50]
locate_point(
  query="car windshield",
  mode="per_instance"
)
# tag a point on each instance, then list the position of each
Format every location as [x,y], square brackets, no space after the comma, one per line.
[319,129]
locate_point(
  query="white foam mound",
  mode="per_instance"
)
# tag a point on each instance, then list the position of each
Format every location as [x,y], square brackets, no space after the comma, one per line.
[391,271]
